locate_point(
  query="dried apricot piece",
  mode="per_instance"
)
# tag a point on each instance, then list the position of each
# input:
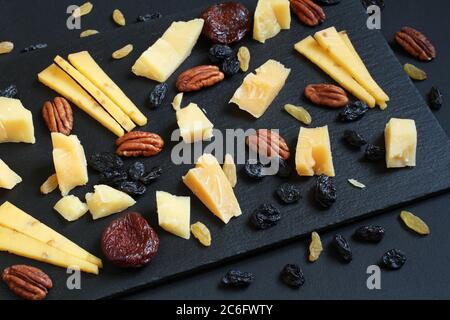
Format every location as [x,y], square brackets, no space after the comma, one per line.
[414,223]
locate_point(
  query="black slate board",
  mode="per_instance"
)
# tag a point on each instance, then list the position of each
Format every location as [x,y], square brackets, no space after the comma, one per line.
[386,188]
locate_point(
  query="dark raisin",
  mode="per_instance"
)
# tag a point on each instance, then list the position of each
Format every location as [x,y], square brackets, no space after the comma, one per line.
[230,67]
[236,278]
[220,52]
[34,47]
[284,170]
[9,92]
[325,192]
[353,111]
[369,233]
[150,176]
[105,162]
[354,139]
[265,216]
[368,3]
[136,171]
[435,98]
[292,275]
[254,170]
[394,259]
[374,153]
[343,248]
[149,16]
[158,94]
[133,188]
[113,178]
[288,193]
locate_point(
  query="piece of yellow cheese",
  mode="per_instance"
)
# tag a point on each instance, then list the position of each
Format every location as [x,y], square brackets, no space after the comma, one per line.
[271,16]
[258,90]
[330,40]
[13,218]
[209,183]
[71,208]
[229,168]
[161,59]
[316,54]
[106,201]
[19,244]
[8,178]
[69,161]
[59,81]
[282,10]
[401,143]
[85,64]
[313,152]
[174,214]
[193,124]
[16,122]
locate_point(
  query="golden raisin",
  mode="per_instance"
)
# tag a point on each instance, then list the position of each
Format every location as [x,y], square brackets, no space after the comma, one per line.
[6,47]
[122,52]
[414,223]
[298,113]
[49,185]
[244,58]
[315,248]
[87,33]
[201,232]
[82,10]
[118,17]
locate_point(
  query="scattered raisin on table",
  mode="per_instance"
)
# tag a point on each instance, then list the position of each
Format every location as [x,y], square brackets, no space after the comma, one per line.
[284,170]
[265,216]
[152,175]
[374,153]
[9,92]
[369,233]
[238,279]
[343,248]
[254,170]
[292,275]
[230,66]
[288,193]
[435,98]
[354,139]
[136,171]
[158,94]
[148,17]
[113,178]
[353,111]
[325,191]
[105,162]
[133,188]
[394,259]
[220,52]
[34,47]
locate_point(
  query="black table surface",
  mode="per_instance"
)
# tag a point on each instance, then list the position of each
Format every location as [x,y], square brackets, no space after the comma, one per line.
[425,275]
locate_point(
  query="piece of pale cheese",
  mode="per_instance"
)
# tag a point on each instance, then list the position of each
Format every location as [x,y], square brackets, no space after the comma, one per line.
[106,201]
[193,124]
[85,64]
[70,162]
[258,90]
[13,218]
[313,153]
[97,94]
[19,244]
[401,143]
[209,183]
[229,168]
[16,122]
[176,103]
[71,208]
[330,40]
[282,11]
[56,79]
[8,178]
[174,214]
[265,22]
[316,54]
[161,59]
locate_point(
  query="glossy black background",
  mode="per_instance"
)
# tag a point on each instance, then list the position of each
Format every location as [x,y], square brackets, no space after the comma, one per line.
[426,275]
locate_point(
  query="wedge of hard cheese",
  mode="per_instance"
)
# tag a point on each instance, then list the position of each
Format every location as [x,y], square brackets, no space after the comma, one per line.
[16,122]
[160,60]
[97,94]
[271,16]
[174,214]
[209,183]
[8,178]
[56,79]
[193,124]
[316,54]
[401,143]
[85,64]
[13,218]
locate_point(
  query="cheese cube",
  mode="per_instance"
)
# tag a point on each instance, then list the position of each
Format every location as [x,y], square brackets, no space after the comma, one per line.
[71,208]
[160,60]
[174,213]
[16,122]
[8,178]
[193,124]
[259,90]
[210,184]
[70,162]
[313,153]
[270,17]
[401,143]
[106,201]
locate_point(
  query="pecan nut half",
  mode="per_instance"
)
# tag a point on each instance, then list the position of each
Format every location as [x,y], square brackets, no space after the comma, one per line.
[415,43]
[27,282]
[268,143]
[139,143]
[199,77]
[308,12]
[328,95]
[58,116]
